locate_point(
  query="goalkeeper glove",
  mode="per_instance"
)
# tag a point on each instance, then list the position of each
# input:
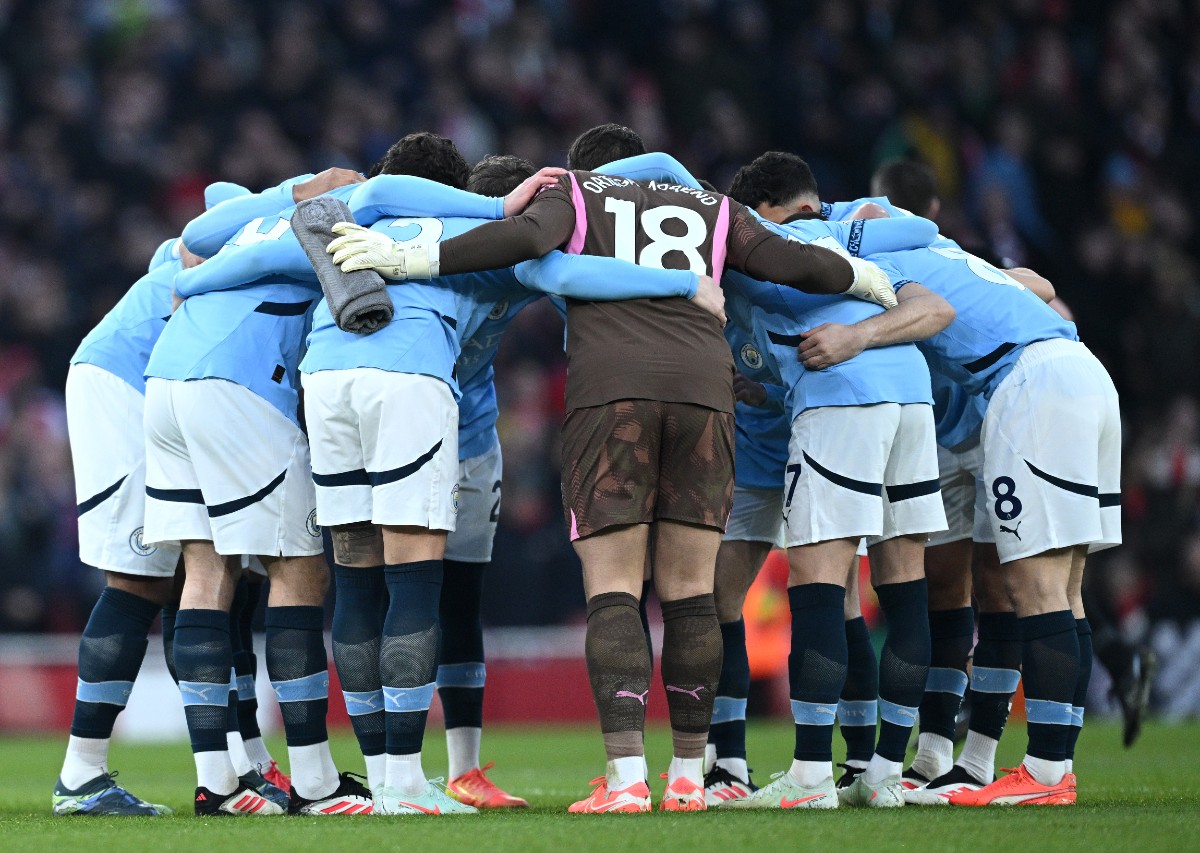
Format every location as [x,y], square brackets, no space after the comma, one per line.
[870,283]
[360,248]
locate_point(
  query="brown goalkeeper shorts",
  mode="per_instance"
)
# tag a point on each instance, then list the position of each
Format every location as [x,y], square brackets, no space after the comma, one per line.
[638,461]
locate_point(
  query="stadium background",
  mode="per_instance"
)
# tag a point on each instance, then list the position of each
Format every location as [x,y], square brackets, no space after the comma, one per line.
[1062,132]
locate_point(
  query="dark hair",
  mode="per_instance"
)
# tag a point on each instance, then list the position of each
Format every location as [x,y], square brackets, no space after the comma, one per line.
[775,178]
[424,155]
[603,144]
[907,183]
[499,174]
[708,185]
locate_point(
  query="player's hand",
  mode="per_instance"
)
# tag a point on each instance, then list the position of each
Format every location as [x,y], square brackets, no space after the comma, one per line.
[176,301]
[324,182]
[360,248]
[748,391]
[711,298]
[517,200]
[871,284]
[829,344]
[188,258]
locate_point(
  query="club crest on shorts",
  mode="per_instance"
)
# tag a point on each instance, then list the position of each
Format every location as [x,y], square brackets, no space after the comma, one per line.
[454,499]
[313,528]
[138,546]
[498,310]
[751,357]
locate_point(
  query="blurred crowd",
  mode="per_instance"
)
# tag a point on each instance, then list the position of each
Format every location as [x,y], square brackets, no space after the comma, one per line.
[1062,133]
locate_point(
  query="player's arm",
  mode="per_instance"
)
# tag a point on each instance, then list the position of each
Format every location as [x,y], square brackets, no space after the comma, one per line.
[921,313]
[863,237]
[545,225]
[236,265]
[655,166]
[599,279]
[208,232]
[406,195]
[1039,285]
[767,256]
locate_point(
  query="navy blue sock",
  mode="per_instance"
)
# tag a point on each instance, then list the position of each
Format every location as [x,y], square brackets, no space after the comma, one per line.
[816,666]
[110,655]
[357,634]
[233,724]
[858,705]
[1084,632]
[951,634]
[904,663]
[168,638]
[461,671]
[245,663]
[728,730]
[203,661]
[1050,667]
[299,671]
[408,656]
[995,672]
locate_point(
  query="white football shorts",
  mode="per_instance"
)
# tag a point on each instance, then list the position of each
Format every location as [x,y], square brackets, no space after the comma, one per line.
[478,508]
[385,447]
[223,465]
[856,471]
[108,454]
[963,497]
[1052,453]
[756,516]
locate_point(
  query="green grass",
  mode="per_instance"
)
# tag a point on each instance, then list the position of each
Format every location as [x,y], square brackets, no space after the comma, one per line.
[1147,798]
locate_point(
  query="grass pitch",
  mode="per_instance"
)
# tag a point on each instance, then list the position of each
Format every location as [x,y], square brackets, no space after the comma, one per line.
[1142,799]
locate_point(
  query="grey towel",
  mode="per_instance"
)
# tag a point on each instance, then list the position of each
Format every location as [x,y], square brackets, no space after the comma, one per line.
[358,301]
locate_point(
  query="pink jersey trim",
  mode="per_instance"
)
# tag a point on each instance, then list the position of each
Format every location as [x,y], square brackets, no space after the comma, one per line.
[575,247]
[574,527]
[720,240]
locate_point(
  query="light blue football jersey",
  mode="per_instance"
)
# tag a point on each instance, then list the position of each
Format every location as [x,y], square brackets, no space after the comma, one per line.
[958,416]
[121,343]
[839,210]
[995,315]
[477,415]
[761,433]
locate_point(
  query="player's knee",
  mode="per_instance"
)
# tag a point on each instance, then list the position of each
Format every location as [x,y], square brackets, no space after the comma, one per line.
[157,590]
[358,545]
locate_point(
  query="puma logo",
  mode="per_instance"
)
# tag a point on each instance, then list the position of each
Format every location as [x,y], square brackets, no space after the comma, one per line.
[695,694]
[202,693]
[367,703]
[1015,531]
[641,697]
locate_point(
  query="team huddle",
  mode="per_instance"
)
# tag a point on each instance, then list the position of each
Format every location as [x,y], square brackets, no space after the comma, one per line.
[746,370]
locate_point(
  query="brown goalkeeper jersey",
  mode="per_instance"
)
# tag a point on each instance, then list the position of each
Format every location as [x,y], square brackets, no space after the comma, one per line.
[656,349]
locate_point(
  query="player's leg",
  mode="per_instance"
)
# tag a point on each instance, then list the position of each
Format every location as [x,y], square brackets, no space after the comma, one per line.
[461,670]
[104,422]
[691,655]
[245,667]
[738,563]
[414,476]
[1042,435]
[344,504]
[833,497]
[360,600]
[951,635]
[619,666]
[694,501]
[858,705]
[610,487]
[912,509]
[1084,632]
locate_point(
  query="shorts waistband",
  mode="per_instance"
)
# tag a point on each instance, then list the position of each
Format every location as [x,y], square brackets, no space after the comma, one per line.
[1049,350]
